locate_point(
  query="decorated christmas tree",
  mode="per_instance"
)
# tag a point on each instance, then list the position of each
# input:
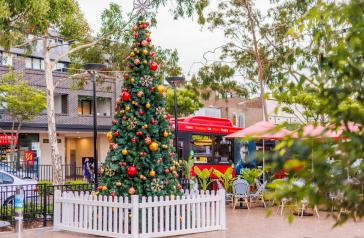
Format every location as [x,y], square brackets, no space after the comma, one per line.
[141,158]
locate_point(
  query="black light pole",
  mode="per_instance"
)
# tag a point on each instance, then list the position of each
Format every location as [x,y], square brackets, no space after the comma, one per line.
[92,69]
[174,82]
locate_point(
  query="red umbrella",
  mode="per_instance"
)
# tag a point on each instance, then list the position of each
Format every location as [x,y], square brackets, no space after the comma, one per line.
[261,130]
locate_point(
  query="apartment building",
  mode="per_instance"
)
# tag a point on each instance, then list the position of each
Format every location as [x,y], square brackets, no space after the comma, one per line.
[73,113]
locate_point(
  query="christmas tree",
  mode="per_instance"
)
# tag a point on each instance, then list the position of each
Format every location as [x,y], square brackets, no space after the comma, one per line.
[141,158]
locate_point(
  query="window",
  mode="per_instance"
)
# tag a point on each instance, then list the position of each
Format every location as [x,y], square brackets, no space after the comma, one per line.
[61,67]
[103,106]
[6,59]
[84,105]
[61,104]
[6,179]
[34,63]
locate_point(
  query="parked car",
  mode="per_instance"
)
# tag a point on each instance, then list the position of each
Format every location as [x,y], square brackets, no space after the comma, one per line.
[8,184]
[22,173]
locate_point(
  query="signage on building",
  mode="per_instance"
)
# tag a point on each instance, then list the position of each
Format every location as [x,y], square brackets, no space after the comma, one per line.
[7,139]
[45,141]
[29,157]
[207,129]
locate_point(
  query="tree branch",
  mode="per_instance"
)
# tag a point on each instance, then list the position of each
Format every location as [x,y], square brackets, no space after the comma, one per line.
[80,75]
[27,42]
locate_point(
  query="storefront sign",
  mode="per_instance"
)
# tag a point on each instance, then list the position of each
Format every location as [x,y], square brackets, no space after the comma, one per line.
[29,157]
[7,139]
[207,129]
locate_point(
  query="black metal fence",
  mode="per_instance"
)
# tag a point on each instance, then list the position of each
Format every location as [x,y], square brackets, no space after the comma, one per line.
[42,172]
[38,201]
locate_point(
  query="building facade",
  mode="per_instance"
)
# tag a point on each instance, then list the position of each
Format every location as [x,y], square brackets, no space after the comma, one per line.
[73,109]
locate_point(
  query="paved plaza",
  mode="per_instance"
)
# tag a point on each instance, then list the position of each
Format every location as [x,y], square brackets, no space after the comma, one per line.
[250,224]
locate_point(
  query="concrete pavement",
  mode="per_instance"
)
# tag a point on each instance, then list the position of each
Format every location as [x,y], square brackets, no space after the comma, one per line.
[246,223]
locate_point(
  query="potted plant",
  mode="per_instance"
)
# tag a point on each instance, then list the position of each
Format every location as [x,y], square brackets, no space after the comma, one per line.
[186,170]
[203,177]
[250,175]
[225,178]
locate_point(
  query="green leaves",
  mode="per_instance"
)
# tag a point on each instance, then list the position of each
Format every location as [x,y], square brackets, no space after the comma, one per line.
[187,101]
[22,101]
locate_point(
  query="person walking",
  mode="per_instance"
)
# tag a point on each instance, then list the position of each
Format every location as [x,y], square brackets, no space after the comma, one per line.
[87,170]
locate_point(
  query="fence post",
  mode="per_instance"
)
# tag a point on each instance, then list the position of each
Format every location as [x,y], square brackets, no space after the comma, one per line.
[57,209]
[45,205]
[135,216]
[222,209]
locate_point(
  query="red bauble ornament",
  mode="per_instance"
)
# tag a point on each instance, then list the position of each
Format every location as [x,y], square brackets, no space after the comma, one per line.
[141,112]
[132,170]
[153,66]
[116,108]
[139,133]
[168,117]
[117,101]
[149,40]
[136,61]
[112,194]
[124,118]
[152,88]
[153,121]
[135,34]
[166,171]
[152,54]
[171,154]
[126,96]
[126,76]
[133,140]
[116,134]
[114,122]
[122,164]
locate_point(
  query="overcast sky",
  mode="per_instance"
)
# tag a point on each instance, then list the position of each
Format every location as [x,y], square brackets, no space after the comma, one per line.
[185,35]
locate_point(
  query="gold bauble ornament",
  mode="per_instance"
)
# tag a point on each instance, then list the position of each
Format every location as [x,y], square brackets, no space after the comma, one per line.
[164,146]
[153,146]
[104,188]
[147,106]
[124,152]
[145,62]
[152,173]
[147,34]
[161,89]
[132,80]
[145,126]
[132,54]
[127,108]
[165,134]
[109,136]
[135,50]
[118,184]
[145,52]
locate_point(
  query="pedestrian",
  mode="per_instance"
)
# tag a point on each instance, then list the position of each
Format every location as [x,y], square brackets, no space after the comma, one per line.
[86,170]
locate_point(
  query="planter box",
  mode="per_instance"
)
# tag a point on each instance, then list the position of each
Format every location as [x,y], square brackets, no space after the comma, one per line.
[139,216]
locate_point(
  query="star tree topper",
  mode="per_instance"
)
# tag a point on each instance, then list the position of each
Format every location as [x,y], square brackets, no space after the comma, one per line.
[142,6]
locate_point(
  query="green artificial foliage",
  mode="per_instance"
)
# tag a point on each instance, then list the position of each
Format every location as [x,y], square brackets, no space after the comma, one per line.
[141,136]
[251,175]
[225,178]
[203,177]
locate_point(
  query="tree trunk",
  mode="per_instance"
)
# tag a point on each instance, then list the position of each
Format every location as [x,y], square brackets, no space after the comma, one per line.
[52,133]
[247,5]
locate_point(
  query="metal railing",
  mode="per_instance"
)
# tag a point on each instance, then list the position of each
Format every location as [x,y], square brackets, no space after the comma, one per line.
[38,201]
[41,172]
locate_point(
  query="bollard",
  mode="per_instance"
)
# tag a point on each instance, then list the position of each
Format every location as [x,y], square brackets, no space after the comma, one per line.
[19,208]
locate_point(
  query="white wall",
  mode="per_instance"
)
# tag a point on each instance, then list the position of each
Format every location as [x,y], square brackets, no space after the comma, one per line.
[103,147]
[45,149]
[281,116]
[208,111]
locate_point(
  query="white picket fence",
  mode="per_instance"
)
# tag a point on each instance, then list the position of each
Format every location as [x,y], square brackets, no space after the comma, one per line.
[139,217]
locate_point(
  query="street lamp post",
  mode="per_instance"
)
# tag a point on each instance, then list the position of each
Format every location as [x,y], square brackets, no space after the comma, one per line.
[174,82]
[92,70]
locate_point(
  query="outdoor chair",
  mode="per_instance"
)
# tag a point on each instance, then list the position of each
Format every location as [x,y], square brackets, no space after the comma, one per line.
[282,205]
[240,189]
[258,195]
[304,205]
[228,196]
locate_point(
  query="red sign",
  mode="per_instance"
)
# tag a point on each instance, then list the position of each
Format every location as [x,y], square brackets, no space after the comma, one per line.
[7,139]
[29,157]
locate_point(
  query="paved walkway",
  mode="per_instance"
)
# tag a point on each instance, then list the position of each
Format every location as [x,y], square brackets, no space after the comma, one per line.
[249,224]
